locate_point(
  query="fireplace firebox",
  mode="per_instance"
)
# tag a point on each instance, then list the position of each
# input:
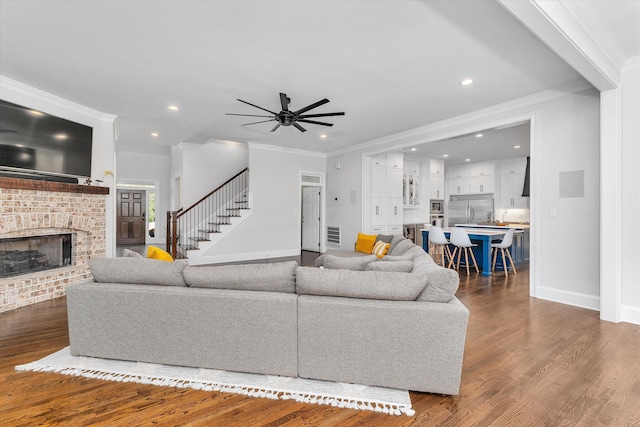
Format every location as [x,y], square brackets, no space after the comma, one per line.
[24,255]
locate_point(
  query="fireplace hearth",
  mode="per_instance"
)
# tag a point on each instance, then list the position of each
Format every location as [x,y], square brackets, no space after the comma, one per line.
[25,255]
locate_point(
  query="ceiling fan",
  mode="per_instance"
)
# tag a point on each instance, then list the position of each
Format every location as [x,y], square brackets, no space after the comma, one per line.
[290,118]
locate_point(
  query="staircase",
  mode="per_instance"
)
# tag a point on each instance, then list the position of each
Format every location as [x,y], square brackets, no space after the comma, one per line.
[193,231]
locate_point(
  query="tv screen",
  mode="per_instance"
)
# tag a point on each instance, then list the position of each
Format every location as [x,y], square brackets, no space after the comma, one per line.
[33,141]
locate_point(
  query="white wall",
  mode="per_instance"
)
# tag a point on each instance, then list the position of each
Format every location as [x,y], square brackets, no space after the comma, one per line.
[630,292]
[341,184]
[565,261]
[274,227]
[205,167]
[144,168]
[103,155]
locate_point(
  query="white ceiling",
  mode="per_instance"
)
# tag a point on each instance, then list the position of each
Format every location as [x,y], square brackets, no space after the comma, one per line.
[389,65]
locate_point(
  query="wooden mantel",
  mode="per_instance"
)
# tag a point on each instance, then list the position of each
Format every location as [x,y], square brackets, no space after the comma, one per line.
[38,185]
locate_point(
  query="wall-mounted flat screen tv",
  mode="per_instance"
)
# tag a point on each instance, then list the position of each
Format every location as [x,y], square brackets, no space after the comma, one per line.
[32,142]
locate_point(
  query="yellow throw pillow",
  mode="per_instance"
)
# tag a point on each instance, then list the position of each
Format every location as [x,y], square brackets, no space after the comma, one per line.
[380,248]
[157,253]
[365,242]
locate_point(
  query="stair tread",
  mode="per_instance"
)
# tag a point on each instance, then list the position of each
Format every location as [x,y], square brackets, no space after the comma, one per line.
[199,239]
[210,231]
[219,223]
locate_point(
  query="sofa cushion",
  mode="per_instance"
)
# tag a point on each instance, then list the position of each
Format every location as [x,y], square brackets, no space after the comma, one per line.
[155,252]
[442,283]
[409,255]
[401,247]
[270,277]
[365,243]
[398,266]
[359,284]
[339,253]
[137,271]
[380,249]
[131,254]
[394,242]
[351,263]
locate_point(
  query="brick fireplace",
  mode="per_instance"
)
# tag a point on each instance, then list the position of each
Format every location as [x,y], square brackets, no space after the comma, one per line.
[40,208]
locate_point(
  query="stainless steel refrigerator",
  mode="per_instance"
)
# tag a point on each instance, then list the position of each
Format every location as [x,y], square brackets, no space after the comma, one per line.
[470,209]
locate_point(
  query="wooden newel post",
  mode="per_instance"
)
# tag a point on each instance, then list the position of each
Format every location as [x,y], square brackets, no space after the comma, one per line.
[168,237]
[174,235]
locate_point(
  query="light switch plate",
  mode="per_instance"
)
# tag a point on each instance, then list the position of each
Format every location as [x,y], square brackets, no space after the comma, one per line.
[553,212]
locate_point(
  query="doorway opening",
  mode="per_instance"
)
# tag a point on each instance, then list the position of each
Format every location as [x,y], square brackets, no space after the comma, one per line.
[311,218]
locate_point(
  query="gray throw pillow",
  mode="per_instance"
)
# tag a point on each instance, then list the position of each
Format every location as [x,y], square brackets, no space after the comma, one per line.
[394,242]
[380,285]
[410,255]
[270,277]
[128,253]
[137,271]
[386,238]
[398,266]
[340,263]
[402,247]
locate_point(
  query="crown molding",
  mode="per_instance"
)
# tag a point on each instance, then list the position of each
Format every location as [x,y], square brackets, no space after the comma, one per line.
[631,64]
[564,29]
[268,147]
[10,85]
[426,133]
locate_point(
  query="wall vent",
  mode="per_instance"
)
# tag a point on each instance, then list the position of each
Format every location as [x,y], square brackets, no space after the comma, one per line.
[333,235]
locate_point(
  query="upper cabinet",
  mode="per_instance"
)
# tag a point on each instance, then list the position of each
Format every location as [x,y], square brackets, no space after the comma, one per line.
[512,174]
[481,169]
[437,179]
[473,178]
[411,184]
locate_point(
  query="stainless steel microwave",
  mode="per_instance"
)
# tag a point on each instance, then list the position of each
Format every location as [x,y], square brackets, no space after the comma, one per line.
[437,206]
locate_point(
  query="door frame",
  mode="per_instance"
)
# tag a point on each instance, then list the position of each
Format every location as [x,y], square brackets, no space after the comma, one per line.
[147,186]
[321,186]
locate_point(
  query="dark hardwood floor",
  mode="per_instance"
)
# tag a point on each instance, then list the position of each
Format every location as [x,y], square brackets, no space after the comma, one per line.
[528,362]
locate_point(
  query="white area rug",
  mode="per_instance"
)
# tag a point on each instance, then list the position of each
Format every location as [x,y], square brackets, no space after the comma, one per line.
[342,395]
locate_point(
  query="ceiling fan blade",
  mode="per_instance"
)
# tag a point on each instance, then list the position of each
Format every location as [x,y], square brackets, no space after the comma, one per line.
[284,101]
[312,106]
[262,121]
[275,127]
[300,128]
[245,115]
[305,116]
[314,122]
[253,105]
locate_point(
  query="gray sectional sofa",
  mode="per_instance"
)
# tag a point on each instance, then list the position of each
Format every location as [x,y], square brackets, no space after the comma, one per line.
[364,325]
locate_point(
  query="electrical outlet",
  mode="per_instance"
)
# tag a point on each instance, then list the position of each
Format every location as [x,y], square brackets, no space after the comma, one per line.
[553,212]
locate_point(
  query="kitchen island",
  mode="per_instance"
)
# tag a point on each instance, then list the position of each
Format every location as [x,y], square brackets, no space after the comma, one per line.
[483,237]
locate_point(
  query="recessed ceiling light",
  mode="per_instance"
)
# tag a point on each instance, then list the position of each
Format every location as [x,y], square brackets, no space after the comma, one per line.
[60,136]
[516,146]
[479,135]
[467,160]
[35,113]
[445,155]
[323,136]
[154,133]
[466,82]
[414,149]
[172,108]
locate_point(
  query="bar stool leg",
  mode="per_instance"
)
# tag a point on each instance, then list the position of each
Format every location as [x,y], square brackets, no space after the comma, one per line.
[513,266]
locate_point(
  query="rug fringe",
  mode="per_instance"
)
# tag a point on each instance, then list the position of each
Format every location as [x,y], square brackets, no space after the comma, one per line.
[339,402]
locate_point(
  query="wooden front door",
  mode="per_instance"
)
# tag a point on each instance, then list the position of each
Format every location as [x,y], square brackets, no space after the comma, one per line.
[131,217]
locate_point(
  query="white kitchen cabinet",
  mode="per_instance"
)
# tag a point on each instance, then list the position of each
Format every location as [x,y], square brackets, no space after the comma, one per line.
[511,192]
[482,184]
[386,193]
[481,169]
[458,186]
[515,166]
[437,167]
[437,186]
[461,171]
[411,184]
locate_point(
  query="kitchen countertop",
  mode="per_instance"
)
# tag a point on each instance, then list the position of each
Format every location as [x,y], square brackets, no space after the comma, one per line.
[509,225]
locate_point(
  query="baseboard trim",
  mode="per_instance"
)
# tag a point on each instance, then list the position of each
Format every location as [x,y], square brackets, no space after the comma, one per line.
[248,256]
[630,314]
[571,298]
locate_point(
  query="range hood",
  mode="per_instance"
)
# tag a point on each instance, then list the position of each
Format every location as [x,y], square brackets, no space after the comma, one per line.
[525,187]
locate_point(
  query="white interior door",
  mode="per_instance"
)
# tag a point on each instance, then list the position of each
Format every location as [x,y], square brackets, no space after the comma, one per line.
[311,219]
